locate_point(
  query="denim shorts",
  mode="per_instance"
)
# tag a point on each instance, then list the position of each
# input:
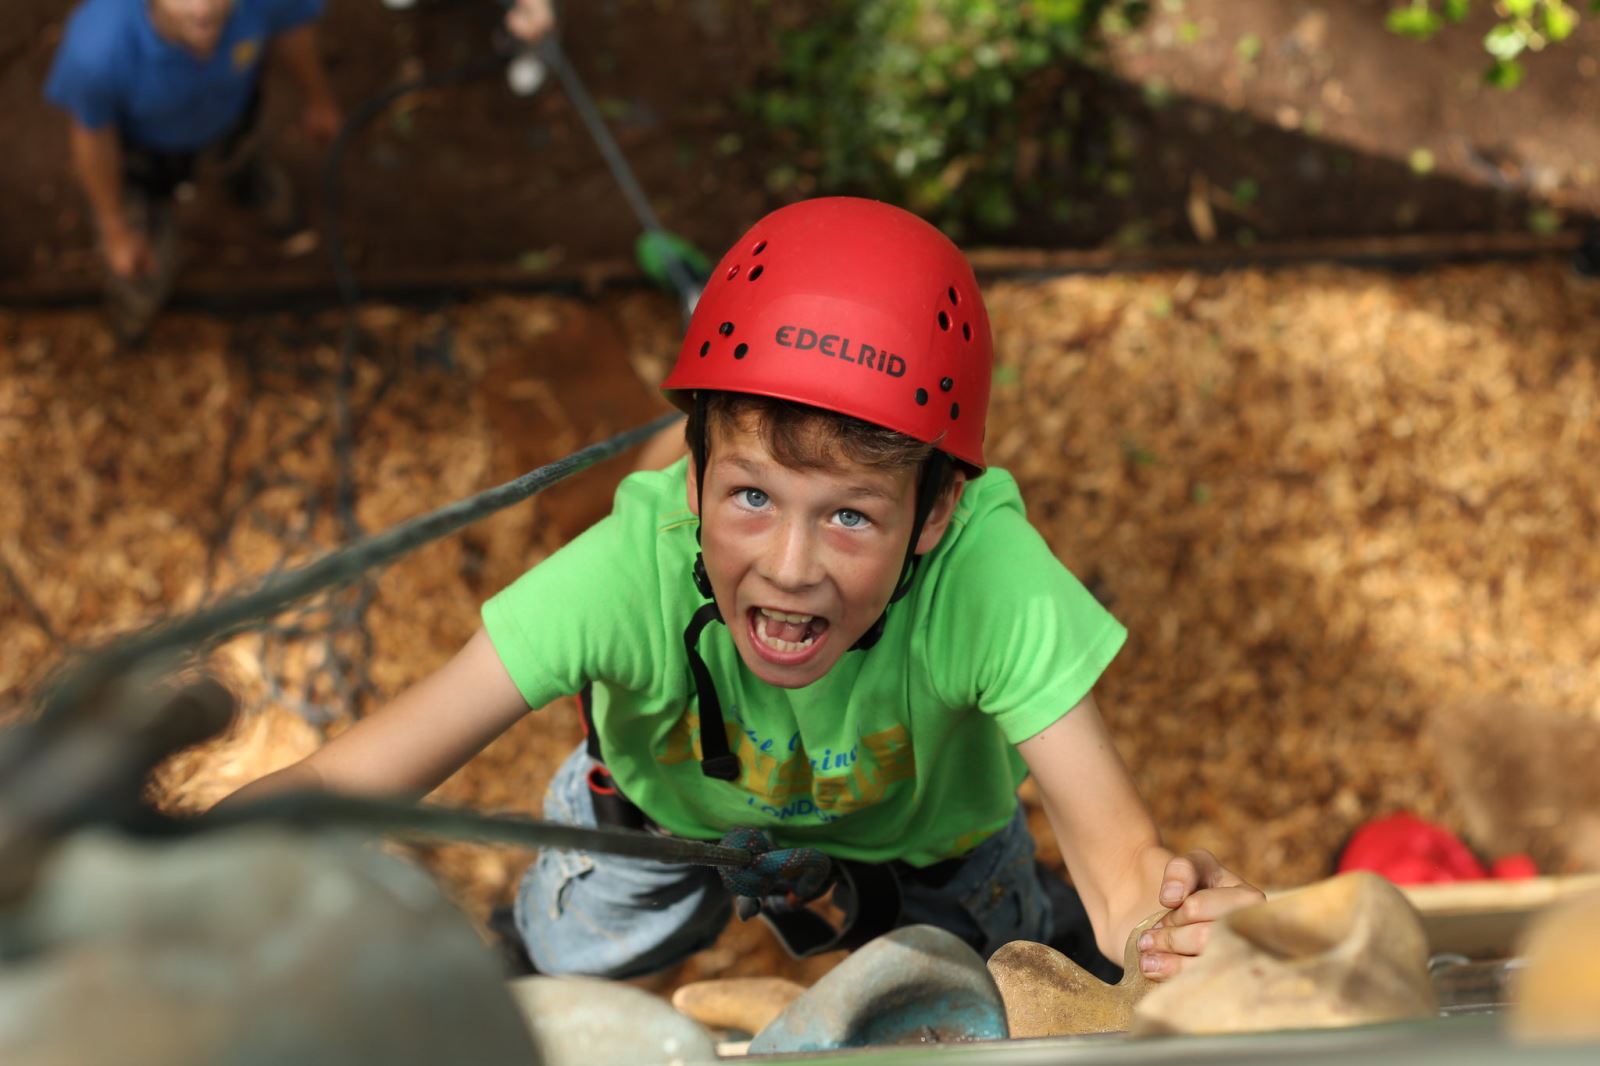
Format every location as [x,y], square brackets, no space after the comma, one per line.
[610,916]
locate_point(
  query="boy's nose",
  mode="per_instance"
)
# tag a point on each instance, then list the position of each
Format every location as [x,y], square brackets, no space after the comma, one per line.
[791,561]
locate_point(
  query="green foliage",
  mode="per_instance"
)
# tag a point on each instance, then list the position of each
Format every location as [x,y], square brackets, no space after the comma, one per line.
[1523,26]
[954,108]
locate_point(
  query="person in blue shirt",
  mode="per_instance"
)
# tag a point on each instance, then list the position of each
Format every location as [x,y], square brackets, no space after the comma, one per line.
[151,87]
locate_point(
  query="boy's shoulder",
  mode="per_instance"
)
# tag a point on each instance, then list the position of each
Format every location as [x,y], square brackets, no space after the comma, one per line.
[655,499]
[995,492]
[99,31]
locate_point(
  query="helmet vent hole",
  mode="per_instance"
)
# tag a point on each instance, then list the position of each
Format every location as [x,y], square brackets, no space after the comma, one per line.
[726,329]
[760,247]
[946,384]
[739,352]
[704,348]
[944,321]
[966,330]
[755,271]
[922,397]
[733,272]
[954,299]
[955,411]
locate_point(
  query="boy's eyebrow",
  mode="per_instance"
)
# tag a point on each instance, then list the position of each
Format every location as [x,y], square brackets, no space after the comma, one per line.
[860,490]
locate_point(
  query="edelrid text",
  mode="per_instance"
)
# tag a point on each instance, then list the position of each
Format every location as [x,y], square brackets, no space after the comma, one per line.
[841,348]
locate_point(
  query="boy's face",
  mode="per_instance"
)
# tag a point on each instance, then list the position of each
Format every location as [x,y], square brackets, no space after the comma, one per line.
[195,24]
[802,562]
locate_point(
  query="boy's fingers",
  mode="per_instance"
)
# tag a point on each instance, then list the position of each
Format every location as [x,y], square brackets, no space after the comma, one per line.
[1178,880]
[1160,966]
[1199,869]
[1210,904]
[1175,940]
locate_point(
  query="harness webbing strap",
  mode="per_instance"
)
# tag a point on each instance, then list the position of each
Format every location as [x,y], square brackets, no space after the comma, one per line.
[716,759]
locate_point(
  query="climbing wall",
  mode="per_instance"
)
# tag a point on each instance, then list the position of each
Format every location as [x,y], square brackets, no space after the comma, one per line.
[1347,517]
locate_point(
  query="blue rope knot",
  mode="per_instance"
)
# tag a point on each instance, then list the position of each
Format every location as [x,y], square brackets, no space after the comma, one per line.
[792,875]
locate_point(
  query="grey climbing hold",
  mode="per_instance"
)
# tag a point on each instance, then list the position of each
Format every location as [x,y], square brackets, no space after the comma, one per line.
[585,1021]
[257,945]
[914,985]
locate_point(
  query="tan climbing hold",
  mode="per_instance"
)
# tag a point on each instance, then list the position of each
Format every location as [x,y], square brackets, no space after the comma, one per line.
[1346,951]
[1556,996]
[1047,994]
[745,1004]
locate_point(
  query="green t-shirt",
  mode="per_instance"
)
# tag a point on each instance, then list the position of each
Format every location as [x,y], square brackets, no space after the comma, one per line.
[900,752]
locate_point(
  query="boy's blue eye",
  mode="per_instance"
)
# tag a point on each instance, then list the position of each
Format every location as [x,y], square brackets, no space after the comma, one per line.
[852,519]
[753,498]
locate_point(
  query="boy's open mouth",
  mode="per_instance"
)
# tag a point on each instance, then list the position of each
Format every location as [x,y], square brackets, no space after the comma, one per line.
[786,632]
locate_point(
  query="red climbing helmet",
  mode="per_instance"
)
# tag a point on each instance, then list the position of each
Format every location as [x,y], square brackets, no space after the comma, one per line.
[851,306]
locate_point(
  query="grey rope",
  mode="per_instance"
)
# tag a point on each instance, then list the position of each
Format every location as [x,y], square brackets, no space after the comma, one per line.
[551,52]
[407,819]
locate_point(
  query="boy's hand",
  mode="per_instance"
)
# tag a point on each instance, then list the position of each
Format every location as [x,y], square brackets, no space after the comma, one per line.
[128,252]
[321,120]
[531,20]
[1198,890]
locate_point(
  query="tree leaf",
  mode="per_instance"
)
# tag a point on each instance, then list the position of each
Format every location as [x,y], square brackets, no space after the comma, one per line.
[1504,74]
[1505,42]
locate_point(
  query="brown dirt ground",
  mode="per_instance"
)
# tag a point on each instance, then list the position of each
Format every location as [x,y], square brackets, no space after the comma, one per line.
[1347,516]
[1318,120]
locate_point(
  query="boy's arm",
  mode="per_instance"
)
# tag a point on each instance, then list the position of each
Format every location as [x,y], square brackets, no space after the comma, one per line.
[97,158]
[295,53]
[1113,851]
[416,741]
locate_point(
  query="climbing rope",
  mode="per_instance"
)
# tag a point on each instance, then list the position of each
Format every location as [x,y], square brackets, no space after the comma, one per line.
[677,270]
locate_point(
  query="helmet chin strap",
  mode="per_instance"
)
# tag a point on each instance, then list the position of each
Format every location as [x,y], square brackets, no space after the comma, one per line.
[928,481]
[717,759]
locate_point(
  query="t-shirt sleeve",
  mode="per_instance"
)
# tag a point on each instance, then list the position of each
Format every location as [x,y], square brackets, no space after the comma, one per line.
[83,75]
[1025,639]
[582,614]
[285,15]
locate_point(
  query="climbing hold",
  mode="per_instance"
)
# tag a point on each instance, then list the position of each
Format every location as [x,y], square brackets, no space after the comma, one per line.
[1047,994]
[585,1021]
[1346,951]
[1556,996]
[915,985]
[742,1004]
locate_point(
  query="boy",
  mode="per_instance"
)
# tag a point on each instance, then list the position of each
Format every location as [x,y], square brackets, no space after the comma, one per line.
[152,85]
[830,623]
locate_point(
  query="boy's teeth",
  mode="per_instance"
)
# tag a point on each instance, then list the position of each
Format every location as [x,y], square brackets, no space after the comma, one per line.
[786,631]
[785,617]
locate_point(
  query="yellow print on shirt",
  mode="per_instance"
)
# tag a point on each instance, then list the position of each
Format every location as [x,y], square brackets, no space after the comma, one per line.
[782,785]
[245,53]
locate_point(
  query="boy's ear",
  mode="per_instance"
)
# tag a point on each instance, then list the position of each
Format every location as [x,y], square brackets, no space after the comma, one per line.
[939,518]
[692,483]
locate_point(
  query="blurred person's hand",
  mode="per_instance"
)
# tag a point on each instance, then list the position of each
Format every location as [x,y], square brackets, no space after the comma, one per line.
[128,252]
[531,20]
[321,120]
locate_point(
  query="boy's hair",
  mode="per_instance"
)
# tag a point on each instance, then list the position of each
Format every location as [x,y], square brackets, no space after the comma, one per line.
[808,438]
